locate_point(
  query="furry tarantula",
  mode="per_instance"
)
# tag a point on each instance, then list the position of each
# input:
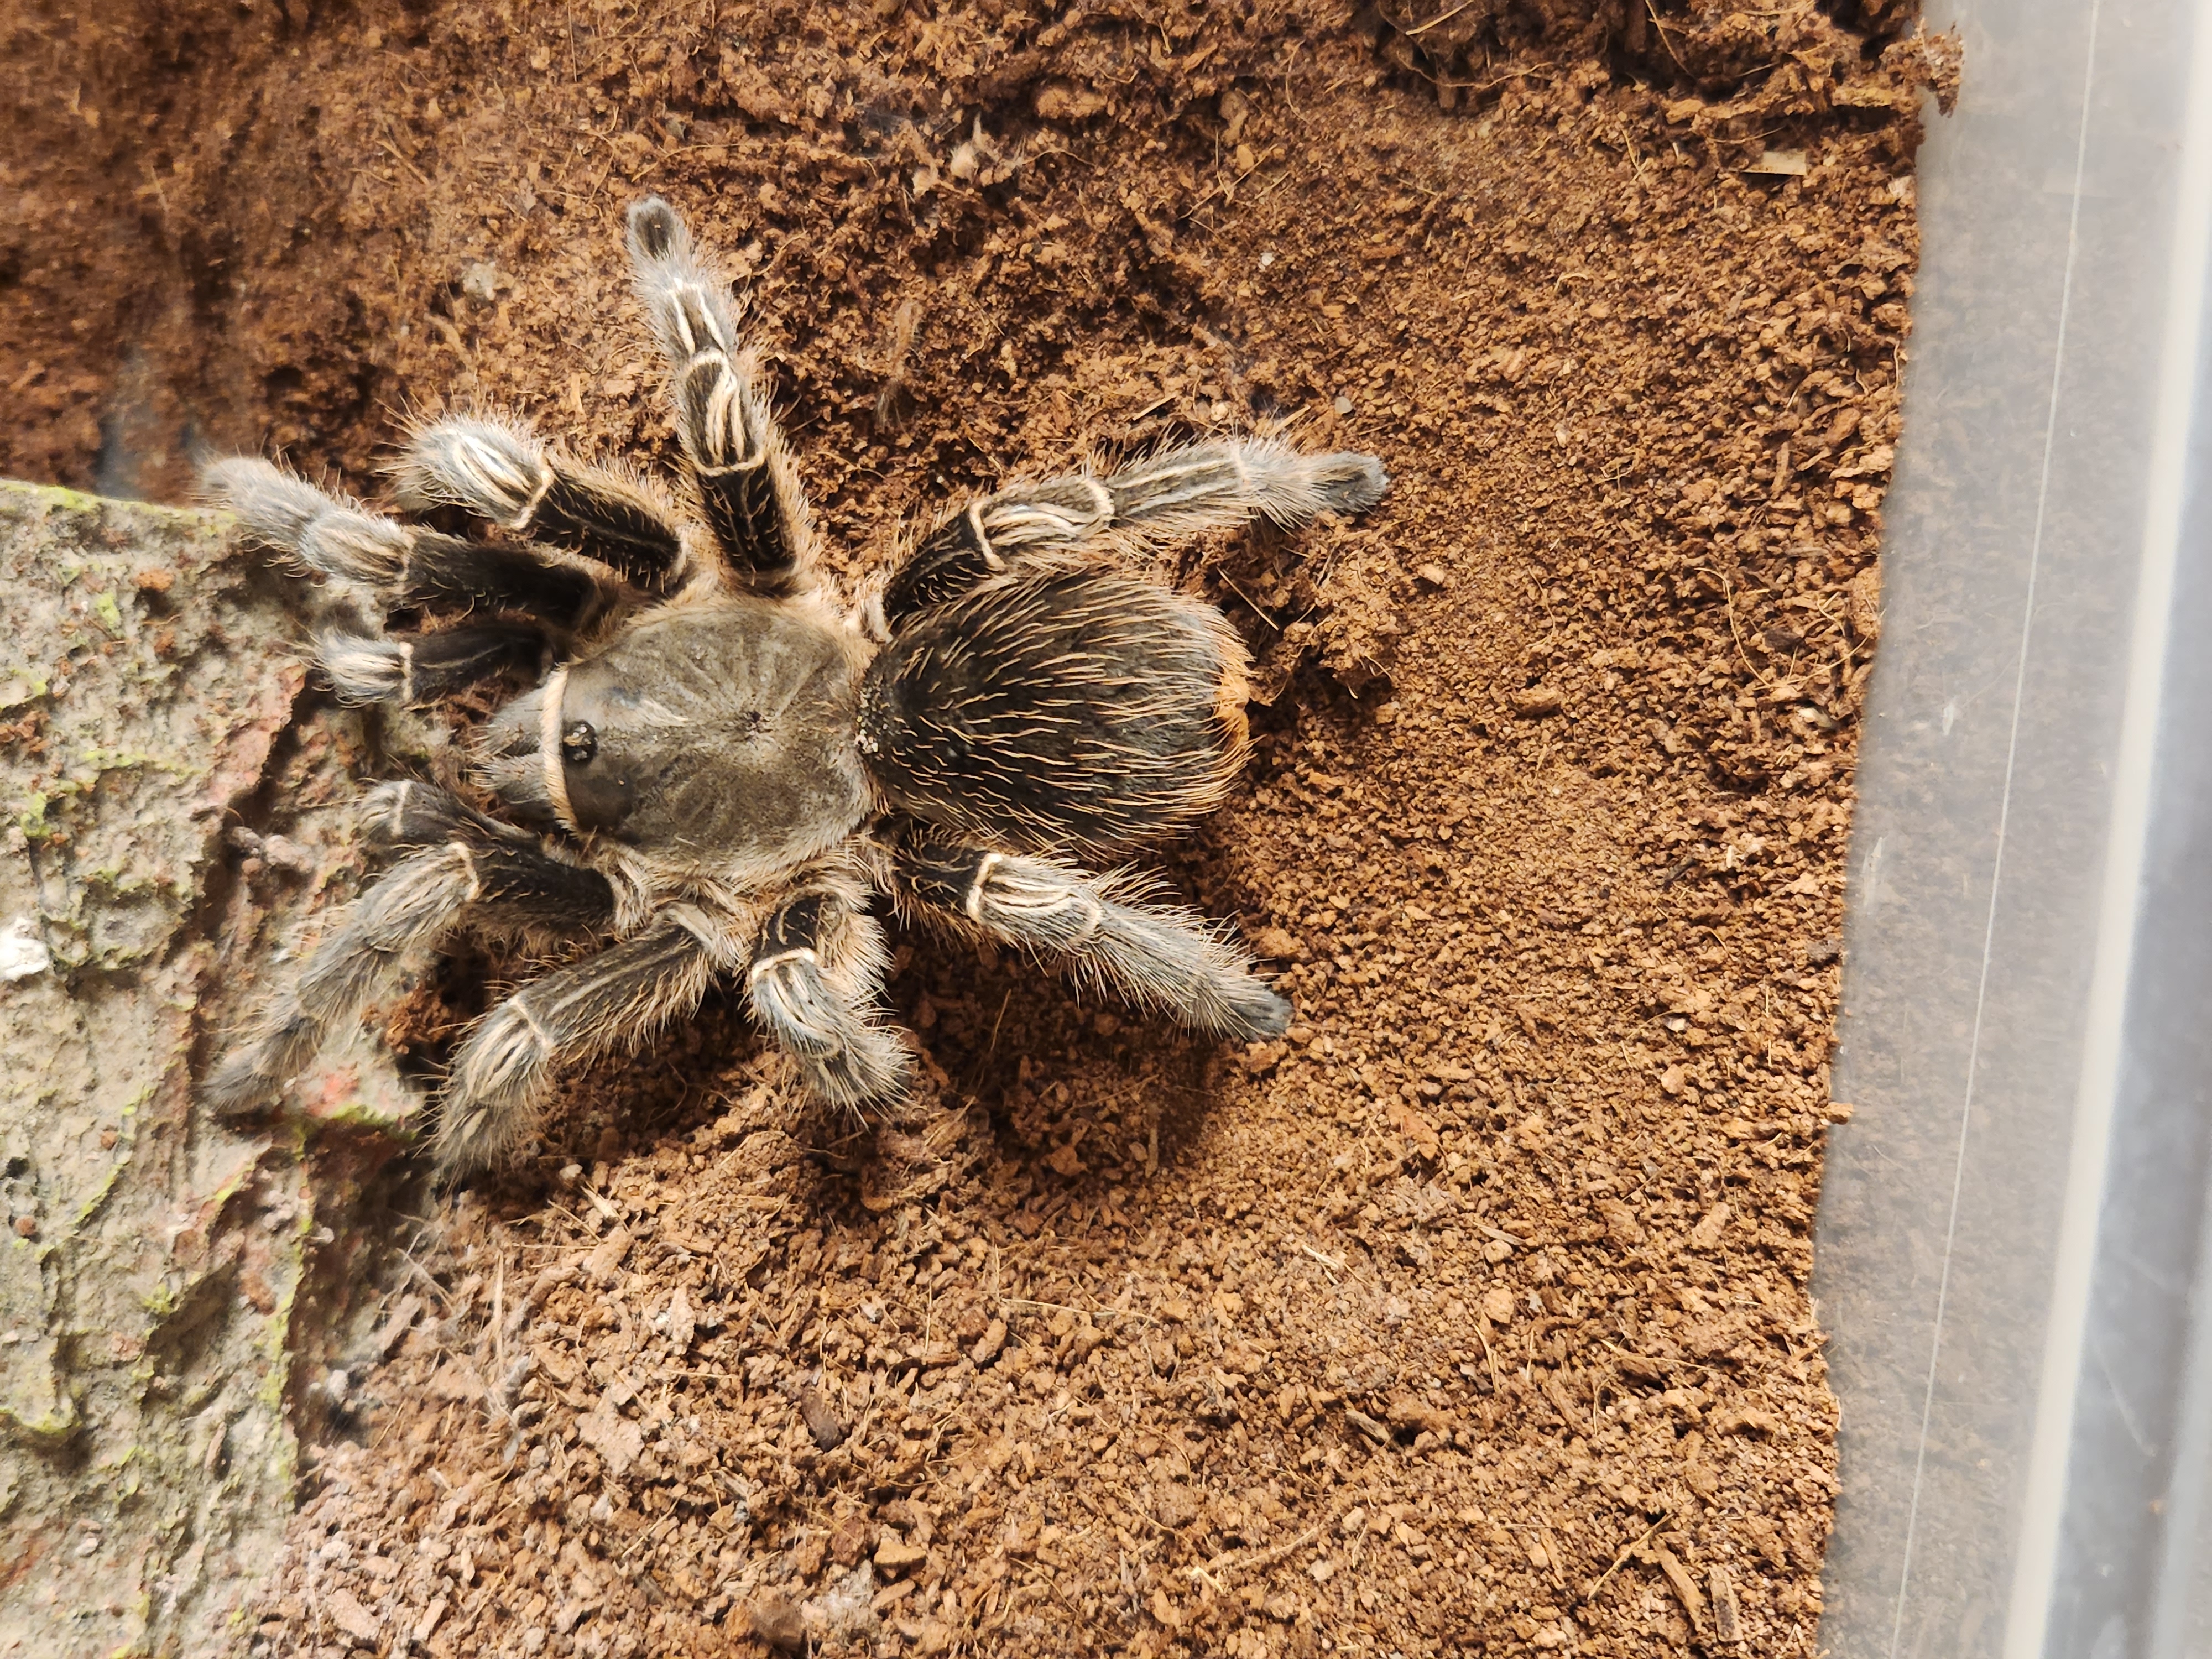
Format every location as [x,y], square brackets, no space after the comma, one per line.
[721,766]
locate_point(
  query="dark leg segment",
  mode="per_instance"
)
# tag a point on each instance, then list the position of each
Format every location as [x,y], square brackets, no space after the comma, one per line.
[522,888]
[406,814]
[509,884]
[744,473]
[453,570]
[397,564]
[1154,956]
[619,997]
[951,560]
[419,668]
[814,981]
[499,472]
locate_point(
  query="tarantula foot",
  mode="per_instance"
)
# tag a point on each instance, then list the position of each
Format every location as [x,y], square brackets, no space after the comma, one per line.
[252,1076]
[472,1135]
[1252,1014]
[849,1060]
[487,1111]
[870,1069]
[1348,483]
[655,230]
[241,1086]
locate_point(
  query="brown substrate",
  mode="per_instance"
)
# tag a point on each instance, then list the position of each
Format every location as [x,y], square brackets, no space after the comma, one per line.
[1472,1317]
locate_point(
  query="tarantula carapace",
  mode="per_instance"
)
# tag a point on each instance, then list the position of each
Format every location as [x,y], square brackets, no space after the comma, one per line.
[721,766]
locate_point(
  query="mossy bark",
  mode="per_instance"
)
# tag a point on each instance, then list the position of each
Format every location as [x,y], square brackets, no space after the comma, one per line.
[156,1261]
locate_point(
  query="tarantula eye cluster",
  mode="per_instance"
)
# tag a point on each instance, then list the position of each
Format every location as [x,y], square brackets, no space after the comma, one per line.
[720,765]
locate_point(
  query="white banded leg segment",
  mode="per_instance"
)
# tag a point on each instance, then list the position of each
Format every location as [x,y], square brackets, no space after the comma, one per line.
[617,999]
[1105,928]
[281,512]
[407,814]
[980,543]
[398,564]
[498,471]
[481,874]
[412,669]
[814,983]
[739,460]
[1177,492]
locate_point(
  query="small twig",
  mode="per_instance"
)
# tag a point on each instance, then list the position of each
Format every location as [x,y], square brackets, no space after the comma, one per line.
[1253,1561]
[499,1316]
[1659,24]
[650,1534]
[600,1204]
[396,155]
[1619,1559]
[1327,1261]
[1440,17]
[1728,596]
[1247,597]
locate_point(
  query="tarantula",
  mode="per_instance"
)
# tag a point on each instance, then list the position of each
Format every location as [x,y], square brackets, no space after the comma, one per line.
[720,767]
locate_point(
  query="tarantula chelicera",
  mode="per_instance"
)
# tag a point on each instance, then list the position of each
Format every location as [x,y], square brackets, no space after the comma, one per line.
[720,766]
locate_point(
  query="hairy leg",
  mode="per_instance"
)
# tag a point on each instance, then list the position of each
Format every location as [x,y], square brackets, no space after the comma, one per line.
[1105,928]
[814,983]
[509,883]
[397,563]
[413,669]
[498,471]
[520,894]
[407,813]
[736,452]
[615,999]
[1177,492]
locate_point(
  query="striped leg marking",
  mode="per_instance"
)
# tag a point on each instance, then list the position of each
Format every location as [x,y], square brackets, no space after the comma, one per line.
[396,563]
[1105,928]
[1179,492]
[737,458]
[498,471]
[814,983]
[512,885]
[617,999]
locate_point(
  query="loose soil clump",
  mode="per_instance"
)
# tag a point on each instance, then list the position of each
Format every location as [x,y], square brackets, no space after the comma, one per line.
[1469,1317]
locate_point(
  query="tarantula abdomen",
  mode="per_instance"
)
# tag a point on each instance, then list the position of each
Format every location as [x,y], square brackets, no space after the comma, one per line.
[1072,708]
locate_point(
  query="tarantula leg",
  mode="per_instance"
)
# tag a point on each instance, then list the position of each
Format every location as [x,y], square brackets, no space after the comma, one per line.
[525,890]
[737,458]
[1211,486]
[505,884]
[1176,492]
[407,814]
[1104,927]
[399,564]
[814,981]
[410,668]
[498,471]
[619,997]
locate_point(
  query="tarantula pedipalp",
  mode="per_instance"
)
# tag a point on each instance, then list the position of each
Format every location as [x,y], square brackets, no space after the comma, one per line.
[719,768]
